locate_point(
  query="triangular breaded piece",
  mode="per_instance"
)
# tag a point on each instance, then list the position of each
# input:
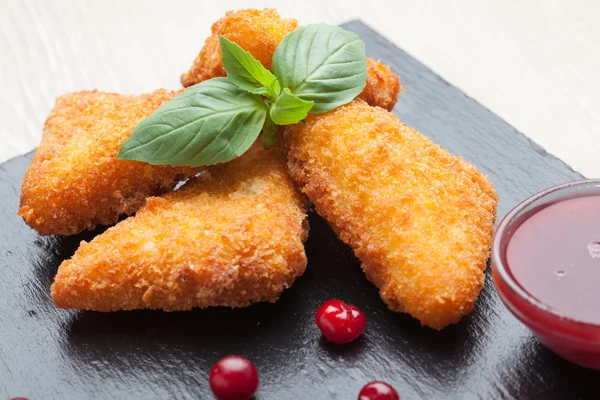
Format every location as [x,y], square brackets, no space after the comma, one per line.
[230,237]
[420,219]
[75,181]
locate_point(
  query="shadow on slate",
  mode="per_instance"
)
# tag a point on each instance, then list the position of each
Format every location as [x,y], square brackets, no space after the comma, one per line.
[47,353]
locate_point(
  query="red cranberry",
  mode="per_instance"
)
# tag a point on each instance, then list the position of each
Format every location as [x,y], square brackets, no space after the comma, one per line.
[340,322]
[378,391]
[233,378]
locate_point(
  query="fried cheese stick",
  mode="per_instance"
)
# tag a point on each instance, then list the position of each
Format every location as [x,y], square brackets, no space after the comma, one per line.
[75,181]
[419,219]
[260,32]
[229,237]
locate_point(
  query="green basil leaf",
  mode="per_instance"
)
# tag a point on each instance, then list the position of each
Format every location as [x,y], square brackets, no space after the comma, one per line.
[322,63]
[211,122]
[289,109]
[246,71]
[269,137]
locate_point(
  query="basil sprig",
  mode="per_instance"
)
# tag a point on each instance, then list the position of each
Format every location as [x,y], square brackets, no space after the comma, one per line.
[322,63]
[209,123]
[289,108]
[315,69]
[247,72]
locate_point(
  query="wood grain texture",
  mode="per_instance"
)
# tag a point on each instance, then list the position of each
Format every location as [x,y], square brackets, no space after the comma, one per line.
[47,353]
[533,62]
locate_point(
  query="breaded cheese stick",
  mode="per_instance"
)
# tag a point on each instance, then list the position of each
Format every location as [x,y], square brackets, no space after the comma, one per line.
[75,181]
[229,237]
[260,32]
[419,219]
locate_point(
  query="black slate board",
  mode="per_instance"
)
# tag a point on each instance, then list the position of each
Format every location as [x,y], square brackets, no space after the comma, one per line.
[47,353]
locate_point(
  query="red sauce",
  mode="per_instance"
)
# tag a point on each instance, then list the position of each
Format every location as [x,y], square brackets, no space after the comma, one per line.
[555,256]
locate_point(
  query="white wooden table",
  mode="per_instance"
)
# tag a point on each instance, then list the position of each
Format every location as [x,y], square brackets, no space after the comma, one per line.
[536,63]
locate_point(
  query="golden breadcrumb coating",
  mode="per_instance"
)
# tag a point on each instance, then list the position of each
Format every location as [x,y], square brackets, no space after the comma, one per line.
[383,86]
[75,181]
[256,31]
[230,237]
[260,32]
[420,219]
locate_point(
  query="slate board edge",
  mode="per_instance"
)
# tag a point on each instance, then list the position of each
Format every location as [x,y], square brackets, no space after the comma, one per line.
[384,42]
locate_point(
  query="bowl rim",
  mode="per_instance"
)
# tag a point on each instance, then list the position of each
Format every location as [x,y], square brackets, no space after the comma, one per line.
[502,271]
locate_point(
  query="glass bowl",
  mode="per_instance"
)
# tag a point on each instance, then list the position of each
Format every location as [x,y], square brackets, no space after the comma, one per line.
[574,340]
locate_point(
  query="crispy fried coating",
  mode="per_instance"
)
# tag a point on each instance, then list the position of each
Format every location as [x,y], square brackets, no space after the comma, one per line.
[420,219]
[256,31]
[75,181]
[230,237]
[260,32]
[383,86]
